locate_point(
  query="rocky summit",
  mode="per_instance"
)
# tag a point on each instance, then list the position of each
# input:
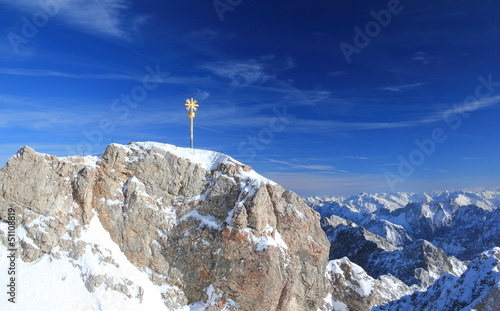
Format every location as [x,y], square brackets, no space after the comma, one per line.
[150,226]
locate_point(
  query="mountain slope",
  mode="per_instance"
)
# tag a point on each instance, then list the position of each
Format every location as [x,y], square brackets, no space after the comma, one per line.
[353,289]
[419,263]
[414,237]
[477,289]
[152,226]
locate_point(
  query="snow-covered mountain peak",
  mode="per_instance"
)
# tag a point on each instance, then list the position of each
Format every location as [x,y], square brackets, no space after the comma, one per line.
[151,226]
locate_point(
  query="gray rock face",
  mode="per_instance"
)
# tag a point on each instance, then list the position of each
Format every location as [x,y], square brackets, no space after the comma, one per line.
[477,288]
[352,288]
[217,234]
[349,240]
[419,264]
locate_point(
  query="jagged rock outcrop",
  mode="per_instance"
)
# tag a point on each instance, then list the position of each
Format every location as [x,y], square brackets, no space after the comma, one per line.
[419,264]
[351,288]
[206,229]
[349,240]
[478,288]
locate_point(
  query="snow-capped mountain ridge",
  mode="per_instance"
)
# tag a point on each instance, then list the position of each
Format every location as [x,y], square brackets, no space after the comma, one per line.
[478,288]
[418,264]
[369,203]
[433,237]
[439,218]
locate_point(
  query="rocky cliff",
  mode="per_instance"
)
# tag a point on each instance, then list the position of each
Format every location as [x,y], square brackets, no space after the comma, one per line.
[160,227]
[351,288]
[419,264]
[478,288]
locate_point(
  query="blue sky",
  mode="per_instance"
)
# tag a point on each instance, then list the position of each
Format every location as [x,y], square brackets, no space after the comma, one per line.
[324,97]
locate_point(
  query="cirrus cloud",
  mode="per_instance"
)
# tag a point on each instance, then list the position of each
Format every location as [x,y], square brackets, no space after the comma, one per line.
[110,18]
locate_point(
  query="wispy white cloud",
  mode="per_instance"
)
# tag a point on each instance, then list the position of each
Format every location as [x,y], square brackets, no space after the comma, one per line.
[49,119]
[81,116]
[317,184]
[356,158]
[387,164]
[472,159]
[102,17]
[472,106]
[401,88]
[313,126]
[318,95]
[110,18]
[208,34]
[75,115]
[239,72]
[425,58]
[251,72]
[167,79]
[259,116]
[327,168]
[313,184]
[289,63]
[310,125]
[434,170]
[51,73]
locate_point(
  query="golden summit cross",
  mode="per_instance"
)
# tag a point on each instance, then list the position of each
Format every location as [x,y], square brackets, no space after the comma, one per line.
[192,106]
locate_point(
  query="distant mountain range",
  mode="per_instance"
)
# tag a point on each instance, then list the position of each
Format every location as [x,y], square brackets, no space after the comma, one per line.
[438,244]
